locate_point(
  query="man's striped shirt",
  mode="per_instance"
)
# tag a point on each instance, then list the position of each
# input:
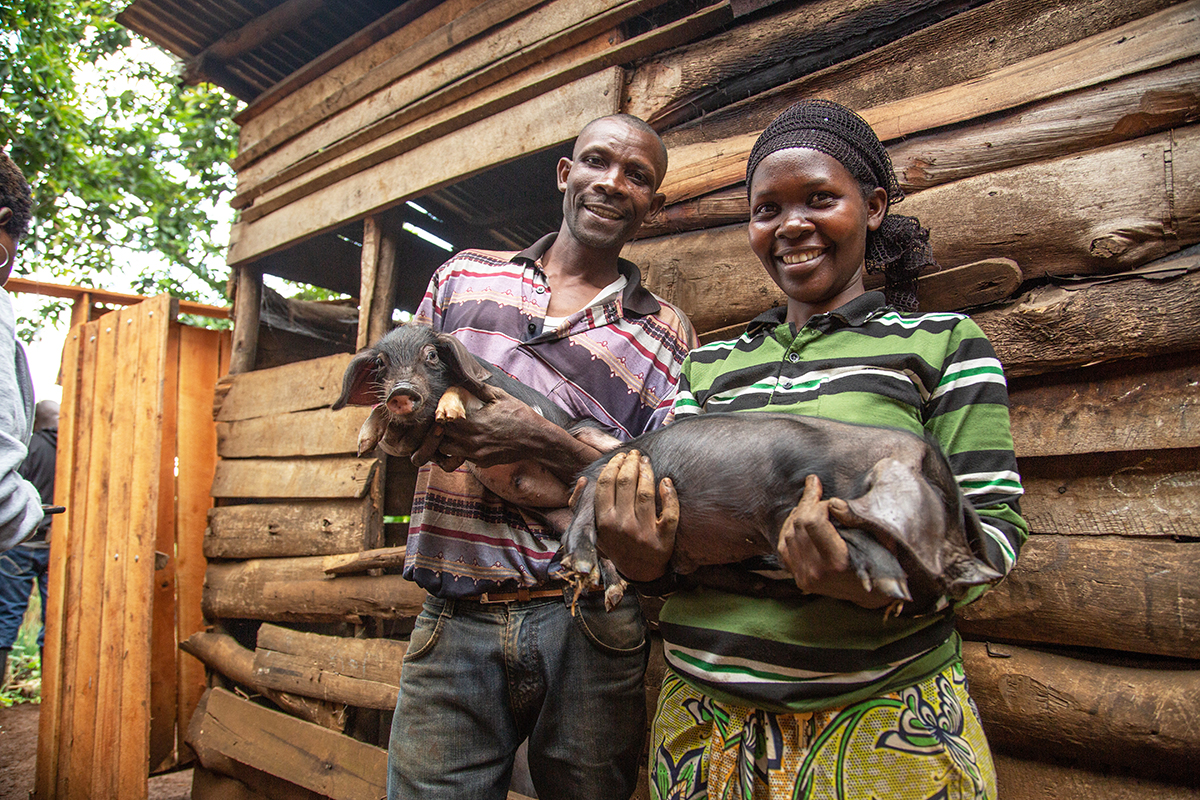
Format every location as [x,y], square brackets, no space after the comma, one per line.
[616,362]
[862,363]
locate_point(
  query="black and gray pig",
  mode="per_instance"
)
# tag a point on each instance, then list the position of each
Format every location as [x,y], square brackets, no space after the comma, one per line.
[414,377]
[739,475]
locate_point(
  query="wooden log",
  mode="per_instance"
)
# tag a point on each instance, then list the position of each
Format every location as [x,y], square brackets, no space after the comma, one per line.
[1136,493]
[300,386]
[262,28]
[955,52]
[1108,592]
[202,741]
[1027,779]
[296,528]
[320,432]
[1037,704]
[377,280]
[332,477]
[364,673]
[1052,328]
[247,300]
[297,590]
[222,653]
[1142,404]
[1058,217]
[298,172]
[1128,108]
[308,755]
[352,563]
[526,128]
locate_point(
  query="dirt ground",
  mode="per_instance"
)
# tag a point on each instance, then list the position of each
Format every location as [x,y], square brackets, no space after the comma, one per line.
[18,757]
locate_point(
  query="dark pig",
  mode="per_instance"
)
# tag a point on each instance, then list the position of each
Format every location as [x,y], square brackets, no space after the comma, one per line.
[739,475]
[414,377]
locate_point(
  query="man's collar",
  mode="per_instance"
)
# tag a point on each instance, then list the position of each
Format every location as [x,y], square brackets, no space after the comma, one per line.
[637,299]
[854,313]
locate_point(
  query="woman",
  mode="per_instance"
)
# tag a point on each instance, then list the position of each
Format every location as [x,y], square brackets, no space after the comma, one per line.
[829,695]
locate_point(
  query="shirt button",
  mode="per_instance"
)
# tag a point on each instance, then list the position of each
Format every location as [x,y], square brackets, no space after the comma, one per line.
[794,358]
[532,328]
[540,289]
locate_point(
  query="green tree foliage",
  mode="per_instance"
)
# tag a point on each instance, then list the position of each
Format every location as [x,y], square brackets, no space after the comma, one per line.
[121,158]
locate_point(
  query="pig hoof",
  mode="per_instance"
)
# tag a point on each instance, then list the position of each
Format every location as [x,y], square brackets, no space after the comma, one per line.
[613,595]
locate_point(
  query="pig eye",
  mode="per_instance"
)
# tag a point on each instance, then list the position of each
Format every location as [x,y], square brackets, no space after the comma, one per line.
[431,357]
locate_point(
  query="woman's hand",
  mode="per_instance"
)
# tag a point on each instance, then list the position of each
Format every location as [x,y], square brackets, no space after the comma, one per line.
[629,528]
[816,554]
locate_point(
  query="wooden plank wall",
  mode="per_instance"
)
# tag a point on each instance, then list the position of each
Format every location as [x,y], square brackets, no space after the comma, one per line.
[1052,149]
[125,556]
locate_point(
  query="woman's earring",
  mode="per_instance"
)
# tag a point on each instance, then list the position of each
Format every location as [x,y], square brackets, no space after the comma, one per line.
[7,256]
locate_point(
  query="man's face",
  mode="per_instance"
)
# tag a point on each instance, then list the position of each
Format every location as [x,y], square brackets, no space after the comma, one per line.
[609,184]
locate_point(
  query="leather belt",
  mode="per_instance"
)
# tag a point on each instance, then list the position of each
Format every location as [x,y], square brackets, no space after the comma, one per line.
[519,596]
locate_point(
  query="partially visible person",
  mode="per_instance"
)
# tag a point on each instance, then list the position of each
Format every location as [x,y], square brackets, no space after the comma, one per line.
[29,561]
[20,503]
[829,694]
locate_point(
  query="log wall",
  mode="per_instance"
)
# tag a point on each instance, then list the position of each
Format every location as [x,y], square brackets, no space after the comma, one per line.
[1052,149]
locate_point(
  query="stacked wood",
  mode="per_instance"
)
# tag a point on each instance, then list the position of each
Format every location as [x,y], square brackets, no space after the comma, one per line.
[364,673]
[1031,779]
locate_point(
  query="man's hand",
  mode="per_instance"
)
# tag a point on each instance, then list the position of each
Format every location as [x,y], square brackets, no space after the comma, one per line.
[629,528]
[816,554]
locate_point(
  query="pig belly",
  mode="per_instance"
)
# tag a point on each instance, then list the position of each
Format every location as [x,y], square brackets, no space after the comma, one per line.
[710,539]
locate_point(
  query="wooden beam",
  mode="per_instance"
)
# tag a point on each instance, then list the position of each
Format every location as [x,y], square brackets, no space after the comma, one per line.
[1028,779]
[90,296]
[312,478]
[263,28]
[1109,592]
[364,673]
[299,386]
[1142,404]
[534,125]
[298,590]
[222,653]
[1136,493]
[320,432]
[1044,705]
[295,528]
[353,563]
[247,303]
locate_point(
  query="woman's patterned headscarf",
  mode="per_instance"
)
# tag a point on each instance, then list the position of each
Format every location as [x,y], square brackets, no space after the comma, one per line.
[900,248]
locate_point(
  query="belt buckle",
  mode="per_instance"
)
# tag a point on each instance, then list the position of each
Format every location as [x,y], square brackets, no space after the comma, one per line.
[519,596]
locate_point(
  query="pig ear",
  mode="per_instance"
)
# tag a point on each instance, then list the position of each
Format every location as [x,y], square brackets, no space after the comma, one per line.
[359,386]
[462,363]
[900,502]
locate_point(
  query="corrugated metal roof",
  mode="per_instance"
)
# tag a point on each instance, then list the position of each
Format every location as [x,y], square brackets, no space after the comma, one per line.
[311,27]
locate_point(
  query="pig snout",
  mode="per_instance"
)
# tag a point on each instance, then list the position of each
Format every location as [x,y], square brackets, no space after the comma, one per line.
[404,400]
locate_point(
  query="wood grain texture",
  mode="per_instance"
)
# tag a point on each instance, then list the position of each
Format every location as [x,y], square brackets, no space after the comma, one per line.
[300,386]
[1029,779]
[301,478]
[1108,592]
[319,432]
[1038,704]
[296,528]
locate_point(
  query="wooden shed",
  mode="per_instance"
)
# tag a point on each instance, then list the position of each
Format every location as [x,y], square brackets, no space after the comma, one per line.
[1052,149]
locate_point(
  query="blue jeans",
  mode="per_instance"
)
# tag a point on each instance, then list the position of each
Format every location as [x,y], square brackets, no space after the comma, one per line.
[19,567]
[478,679]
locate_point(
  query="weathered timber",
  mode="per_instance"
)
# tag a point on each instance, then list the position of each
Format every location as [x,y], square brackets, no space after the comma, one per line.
[320,432]
[769,51]
[352,563]
[296,528]
[222,653]
[209,785]
[1135,493]
[1060,217]
[1100,115]
[334,59]
[1141,404]
[1026,779]
[525,128]
[957,51]
[450,109]
[453,33]
[1039,704]
[292,387]
[209,64]
[298,590]
[364,673]
[308,755]
[246,304]
[1109,592]
[969,284]
[377,281]
[1052,328]
[331,477]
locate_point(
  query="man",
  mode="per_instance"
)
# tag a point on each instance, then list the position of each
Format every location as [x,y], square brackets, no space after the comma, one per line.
[496,656]
[30,561]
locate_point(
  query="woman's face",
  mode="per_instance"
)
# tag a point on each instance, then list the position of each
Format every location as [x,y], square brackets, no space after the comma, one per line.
[8,246]
[808,226]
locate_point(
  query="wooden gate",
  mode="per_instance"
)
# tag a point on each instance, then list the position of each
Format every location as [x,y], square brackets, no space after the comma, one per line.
[137,449]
